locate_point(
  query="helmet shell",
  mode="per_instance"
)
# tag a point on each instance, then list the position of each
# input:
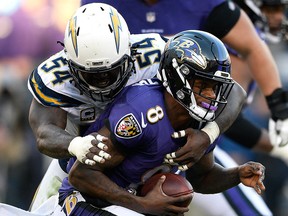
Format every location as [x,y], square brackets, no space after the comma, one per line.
[97,45]
[201,50]
[96,36]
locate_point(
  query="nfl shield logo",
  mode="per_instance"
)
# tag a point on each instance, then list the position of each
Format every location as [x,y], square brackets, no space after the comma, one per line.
[151,17]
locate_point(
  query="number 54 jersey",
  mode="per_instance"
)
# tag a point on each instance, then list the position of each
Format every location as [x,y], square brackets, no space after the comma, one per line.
[52,85]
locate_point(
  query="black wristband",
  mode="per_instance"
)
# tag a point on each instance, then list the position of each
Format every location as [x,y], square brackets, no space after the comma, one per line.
[278,104]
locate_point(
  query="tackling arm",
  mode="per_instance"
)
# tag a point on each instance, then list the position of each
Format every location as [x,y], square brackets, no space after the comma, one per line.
[48,125]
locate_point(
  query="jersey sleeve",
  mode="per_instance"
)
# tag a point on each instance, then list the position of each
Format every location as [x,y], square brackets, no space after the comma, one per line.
[50,83]
[149,48]
[217,22]
[125,125]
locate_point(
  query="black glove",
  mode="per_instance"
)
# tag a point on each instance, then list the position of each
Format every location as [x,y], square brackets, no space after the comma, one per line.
[278,104]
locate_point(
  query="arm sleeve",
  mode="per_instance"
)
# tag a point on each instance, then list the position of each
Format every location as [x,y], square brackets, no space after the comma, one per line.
[222,19]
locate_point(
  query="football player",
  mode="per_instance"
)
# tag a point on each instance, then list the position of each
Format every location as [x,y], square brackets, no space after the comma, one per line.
[73,87]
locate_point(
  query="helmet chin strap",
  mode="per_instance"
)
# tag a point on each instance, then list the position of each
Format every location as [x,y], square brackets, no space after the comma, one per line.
[201,114]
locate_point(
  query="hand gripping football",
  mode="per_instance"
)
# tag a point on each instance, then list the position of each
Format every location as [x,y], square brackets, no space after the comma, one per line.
[174,185]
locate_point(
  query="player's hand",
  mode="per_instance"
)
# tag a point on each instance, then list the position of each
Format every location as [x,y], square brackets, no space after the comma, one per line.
[195,147]
[252,175]
[157,203]
[89,149]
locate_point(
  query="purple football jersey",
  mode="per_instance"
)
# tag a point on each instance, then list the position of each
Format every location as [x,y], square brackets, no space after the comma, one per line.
[166,17]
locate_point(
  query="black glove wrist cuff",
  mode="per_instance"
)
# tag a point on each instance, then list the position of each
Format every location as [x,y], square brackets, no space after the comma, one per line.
[278,104]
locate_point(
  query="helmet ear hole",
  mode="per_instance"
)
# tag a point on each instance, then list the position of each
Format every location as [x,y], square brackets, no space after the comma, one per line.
[97,40]
[193,63]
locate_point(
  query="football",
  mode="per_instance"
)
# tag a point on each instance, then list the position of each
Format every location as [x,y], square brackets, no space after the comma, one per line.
[174,185]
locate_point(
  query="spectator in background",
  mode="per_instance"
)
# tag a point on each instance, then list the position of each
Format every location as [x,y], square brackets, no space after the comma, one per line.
[28,34]
[274,14]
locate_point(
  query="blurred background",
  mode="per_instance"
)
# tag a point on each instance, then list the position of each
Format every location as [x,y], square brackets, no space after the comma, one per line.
[29,31]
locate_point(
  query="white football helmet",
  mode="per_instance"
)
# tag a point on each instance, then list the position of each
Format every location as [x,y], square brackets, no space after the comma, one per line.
[98,50]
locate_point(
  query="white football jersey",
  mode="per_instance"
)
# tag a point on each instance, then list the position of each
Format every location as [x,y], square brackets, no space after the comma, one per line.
[52,85]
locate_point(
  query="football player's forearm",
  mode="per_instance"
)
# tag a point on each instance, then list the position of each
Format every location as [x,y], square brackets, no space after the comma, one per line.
[236,100]
[53,141]
[98,185]
[48,125]
[217,180]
